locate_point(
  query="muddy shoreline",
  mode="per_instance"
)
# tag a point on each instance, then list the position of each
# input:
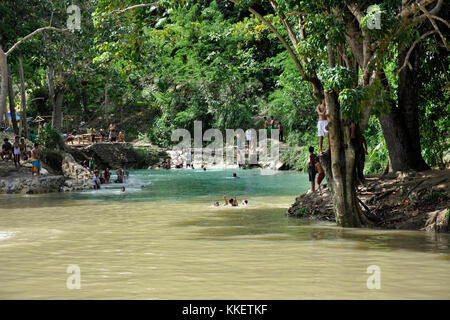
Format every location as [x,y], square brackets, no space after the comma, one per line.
[406,201]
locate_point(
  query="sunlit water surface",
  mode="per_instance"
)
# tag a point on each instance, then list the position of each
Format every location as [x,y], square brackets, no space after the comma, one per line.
[163,239]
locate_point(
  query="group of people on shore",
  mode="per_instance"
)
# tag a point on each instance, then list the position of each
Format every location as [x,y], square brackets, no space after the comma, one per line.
[271,124]
[114,135]
[17,151]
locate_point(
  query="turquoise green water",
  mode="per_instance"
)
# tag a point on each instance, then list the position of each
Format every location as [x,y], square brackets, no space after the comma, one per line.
[162,239]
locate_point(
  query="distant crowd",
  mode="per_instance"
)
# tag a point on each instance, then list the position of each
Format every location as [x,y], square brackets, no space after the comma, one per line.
[114,135]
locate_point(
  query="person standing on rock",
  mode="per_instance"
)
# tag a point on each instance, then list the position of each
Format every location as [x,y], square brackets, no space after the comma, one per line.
[272,125]
[312,169]
[16,147]
[93,134]
[36,160]
[321,175]
[23,150]
[280,128]
[91,164]
[248,137]
[112,133]
[322,125]
[266,126]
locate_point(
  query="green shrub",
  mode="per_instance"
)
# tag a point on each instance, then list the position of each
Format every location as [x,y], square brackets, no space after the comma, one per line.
[49,138]
[302,212]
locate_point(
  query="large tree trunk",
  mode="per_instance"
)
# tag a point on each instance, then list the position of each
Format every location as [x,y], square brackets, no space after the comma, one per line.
[343,166]
[401,125]
[12,104]
[23,101]
[56,100]
[4,84]
[57,112]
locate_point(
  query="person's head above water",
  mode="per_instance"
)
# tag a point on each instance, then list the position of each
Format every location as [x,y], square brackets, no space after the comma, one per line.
[234,175]
[311,149]
[245,202]
[216,204]
[122,189]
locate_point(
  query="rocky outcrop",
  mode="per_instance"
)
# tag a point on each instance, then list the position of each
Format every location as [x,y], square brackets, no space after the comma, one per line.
[73,170]
[313,206]
[437,221]
[113,155]
[43,184]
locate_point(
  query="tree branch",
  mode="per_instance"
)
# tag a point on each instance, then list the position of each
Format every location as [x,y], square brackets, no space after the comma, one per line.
[134,7]
[425,11]
[412,48]
[414,7]
[14,47]
[283,41]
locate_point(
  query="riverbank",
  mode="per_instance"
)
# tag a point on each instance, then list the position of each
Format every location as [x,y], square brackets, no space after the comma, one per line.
[406,201]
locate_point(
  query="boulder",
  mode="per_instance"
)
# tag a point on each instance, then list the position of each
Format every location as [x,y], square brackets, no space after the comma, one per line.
[113,155]
[43,184]
[72,169]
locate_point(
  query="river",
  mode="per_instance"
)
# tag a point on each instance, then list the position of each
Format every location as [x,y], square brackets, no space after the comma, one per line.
[163,239]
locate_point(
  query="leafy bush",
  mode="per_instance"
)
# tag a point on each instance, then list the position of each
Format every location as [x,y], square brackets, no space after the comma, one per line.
[302,212]
[49,138]
[143,160]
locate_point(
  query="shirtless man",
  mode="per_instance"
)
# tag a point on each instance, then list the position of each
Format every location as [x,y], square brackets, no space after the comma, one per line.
[266,125]
[322,124]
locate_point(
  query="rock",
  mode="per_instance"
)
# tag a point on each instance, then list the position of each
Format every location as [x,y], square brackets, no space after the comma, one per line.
[113,155]
[437,221]
[28,185]
[72,169]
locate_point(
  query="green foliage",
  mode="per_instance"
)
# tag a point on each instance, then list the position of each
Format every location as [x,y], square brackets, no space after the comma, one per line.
[433,195]
[49,138]
[302,212]
[378,157]
[337,78]
[143,159]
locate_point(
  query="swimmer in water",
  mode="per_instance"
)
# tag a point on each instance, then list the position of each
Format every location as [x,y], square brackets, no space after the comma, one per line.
[244,202]
[216,204]
[122,189]
[234,175]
